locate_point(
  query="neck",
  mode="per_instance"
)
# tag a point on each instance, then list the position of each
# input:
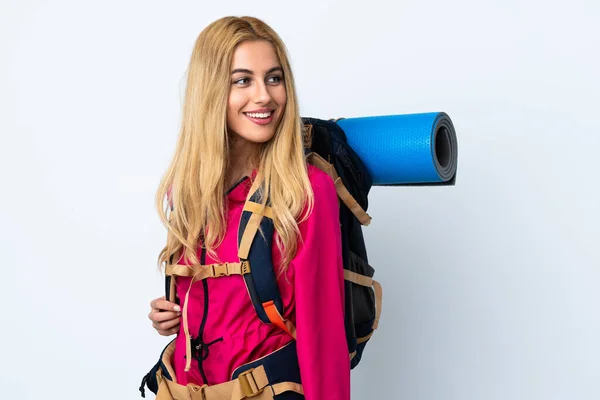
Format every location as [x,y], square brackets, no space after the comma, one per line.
[240,157]
[236,170]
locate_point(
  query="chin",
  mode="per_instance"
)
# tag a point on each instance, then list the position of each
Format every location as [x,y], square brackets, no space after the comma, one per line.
[256,134]
[261,137]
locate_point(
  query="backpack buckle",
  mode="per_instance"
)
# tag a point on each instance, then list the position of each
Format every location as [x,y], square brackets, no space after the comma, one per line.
[196,389]
[220,270]
[245,267]
[248,384]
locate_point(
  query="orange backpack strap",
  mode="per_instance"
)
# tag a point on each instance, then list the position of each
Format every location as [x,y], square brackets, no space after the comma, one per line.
[276,319]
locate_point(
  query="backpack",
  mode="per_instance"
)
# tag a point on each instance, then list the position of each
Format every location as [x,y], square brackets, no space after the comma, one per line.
[326,148]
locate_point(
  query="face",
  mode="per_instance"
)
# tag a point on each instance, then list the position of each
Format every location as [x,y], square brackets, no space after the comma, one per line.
[257,96]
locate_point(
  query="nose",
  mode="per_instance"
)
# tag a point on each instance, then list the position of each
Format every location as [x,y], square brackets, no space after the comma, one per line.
[261,93]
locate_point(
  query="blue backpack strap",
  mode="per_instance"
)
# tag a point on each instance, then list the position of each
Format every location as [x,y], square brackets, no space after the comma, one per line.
[255,238]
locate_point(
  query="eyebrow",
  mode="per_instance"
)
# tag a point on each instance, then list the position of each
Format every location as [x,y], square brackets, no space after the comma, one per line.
[247,71]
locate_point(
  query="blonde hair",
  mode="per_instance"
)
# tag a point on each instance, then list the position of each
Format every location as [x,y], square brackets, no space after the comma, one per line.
[195,178]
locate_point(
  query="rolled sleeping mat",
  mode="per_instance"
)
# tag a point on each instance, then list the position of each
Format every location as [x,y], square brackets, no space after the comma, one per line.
[408,150]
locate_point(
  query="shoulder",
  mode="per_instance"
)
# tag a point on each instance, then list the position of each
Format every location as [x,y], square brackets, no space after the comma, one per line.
[321,182]
[325,199]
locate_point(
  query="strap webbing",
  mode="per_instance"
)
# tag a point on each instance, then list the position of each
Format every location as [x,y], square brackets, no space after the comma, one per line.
[248,236]
[364,338]
[251,384]
[276,318]
[359,279]
[364,280]
[379,302]
[208,271]
[341,190]
[351,202]
[279,388]
[257,208]
[262,282]
[199,273]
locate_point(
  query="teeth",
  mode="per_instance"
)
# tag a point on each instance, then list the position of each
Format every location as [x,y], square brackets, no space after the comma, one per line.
[259,115]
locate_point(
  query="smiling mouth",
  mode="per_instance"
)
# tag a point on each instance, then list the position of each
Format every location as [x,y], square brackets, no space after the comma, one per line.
[259,115]
[262,119]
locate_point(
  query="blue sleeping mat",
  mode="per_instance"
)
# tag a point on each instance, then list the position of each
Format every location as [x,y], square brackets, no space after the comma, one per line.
[410,149]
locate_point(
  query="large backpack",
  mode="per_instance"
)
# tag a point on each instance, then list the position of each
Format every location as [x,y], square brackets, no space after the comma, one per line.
[326,148]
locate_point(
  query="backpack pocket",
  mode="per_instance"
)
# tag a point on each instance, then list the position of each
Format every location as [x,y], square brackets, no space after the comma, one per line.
[162,369]
[361,298]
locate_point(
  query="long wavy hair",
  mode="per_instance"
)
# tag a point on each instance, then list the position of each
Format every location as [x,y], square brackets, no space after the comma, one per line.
[194,181]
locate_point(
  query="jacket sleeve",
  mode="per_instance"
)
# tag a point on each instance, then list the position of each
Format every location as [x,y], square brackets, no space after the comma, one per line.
[319,297]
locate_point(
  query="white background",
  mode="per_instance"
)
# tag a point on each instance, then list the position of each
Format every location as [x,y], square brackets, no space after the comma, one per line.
[491,286]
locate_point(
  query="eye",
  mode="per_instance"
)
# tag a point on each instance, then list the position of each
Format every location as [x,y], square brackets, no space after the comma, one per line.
[240,80]
[277,78]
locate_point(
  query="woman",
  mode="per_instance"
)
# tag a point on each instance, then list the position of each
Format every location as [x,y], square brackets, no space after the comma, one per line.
[241,132]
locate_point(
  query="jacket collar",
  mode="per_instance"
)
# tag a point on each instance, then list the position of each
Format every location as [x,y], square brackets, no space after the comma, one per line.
[239,192]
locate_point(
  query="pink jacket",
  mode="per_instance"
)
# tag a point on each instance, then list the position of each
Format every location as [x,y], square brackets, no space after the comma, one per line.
[312,291]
